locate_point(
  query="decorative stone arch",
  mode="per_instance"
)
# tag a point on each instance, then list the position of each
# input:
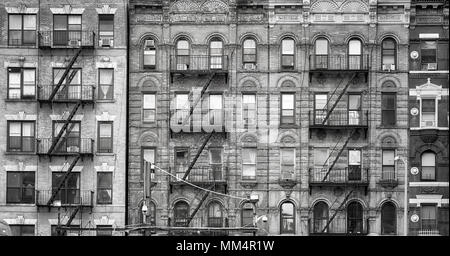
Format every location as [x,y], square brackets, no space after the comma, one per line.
[439,151]
[177,200]
[288,200]
[287,82]
[356,35]
[288,138]
[322,35]
[287,35]
[388,141]
[216,35]
[359,200]
[214,6]
[183,35]
[388,84]
[388,200]
[320,199]
[149,82]
[184,6]
[388,35]
[386,134]
[248,138]
[148,138]
[249,82]
[322,6]
[145,36]
[355,6]
[251,35]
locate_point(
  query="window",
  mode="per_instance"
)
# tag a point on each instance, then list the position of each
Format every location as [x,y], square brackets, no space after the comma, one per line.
[182,108]
[149,54]
[249,163]
[104,230]
[247,215]
[106,29]
[22,230]
[22,30]
[149,156]
[149,108]
[67,30]
[320,217]
[287,53]
[72,143]
[20,136]
[321,159]
[105,137]
[21,83]
[70,191]
[72,90]
[388,109]
[354,109]
[354,54]
[287,218]
[428,53]
[215,109]
[20,187]
[181,161]
[388,168]
[388,219]
[287,108]
[249,52]
[287,162]
[249,110]
[216,54]
[428,113]
[62,232]
[215,215]
[321,54]
[428,166]
[183,59]
[181,214]
[215,162]
[106,84]
[104,187]
[388,54]
[428,217]
[320,108]
[354,164]
[354,218]
[152,211]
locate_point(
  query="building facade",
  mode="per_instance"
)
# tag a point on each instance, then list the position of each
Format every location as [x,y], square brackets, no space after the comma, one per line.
[428,117]
[300,104]
[63,121]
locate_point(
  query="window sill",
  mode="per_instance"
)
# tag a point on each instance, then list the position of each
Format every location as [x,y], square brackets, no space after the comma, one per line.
[429,128]
[20,100]
[20,153]
[105,154]
[288,126]
[21,204]
[106,101]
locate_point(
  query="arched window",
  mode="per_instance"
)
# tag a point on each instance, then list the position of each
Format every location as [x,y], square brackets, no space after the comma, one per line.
[388,219]
[321,54]
[149,54]
[182,55]
[354,54]
[287,53]
[249,53]
[247,215]
[428,166]
[152,211]
[320,216]
[216,53]
[215,215]
[181,214]
[354,218]
[388,54]
[287,216]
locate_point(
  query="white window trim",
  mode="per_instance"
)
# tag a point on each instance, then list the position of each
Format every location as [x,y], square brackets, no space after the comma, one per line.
[436,100]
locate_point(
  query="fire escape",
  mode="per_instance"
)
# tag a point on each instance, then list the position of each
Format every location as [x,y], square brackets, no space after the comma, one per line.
[61,143]
[211,178]
[349,123]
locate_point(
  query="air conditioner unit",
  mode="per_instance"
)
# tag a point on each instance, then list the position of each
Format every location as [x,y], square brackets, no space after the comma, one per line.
[150,43]
[74,43]
[432,66]
[249,66]
[392,67]
[386,67]
[429,124]
[106,42]
[181,66]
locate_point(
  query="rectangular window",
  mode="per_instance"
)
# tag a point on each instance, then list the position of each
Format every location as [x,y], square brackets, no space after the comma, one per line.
[428,113]
[20,136]
[62,232]
[354,165]
[215,109]
[287,162]
[321,161]
[249,163]
[21,83]
[249,109]
[22,30]
[67,30]
[72,142]
[149,54]
[106,29]
[104,187]
[181,161]
[106,84]
[70,86]
[105,137]
[428,166]
[388,109]
[149,108]
[428,53]
[215,162]
[429,217]
[354,109]
[20,187]
[22,230]
[104,230]
[287,108]
[148,156]
[182,108]
[287,53]
[320,108]
[70,190]
[388,168]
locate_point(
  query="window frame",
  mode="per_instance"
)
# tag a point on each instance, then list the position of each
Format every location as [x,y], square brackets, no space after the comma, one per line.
[394,54]
[177,212]
[434,178]
[110,85]
[283,66]
[100,36]
[254,165]
[211,56]
[436,102]
[8,137]
[150,49]
[244,219]
[21,227]
[244,54]
[293,108]
[422,219]
[284,164]
[246,111]
[144,120]
[393,166]
[21,85]
[351,63]
[383,231]
[143,148]
[21,188]
[105,150]
[386,110]
[65,188]
[213,112]
[282,230]
[359,110]
[317,220]
[422,63]
[79,141]
[22,30]
[61,42]
[103,188]
[355,218]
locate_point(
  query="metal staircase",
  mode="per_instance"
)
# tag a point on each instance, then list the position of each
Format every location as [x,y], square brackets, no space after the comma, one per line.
[337,211]
[341,149]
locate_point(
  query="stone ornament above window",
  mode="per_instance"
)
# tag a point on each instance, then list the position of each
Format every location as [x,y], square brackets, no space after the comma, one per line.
[105,116]
[388,142]
[349,6]
[22,9]
[65,167]
[64,116]
[429,90]
[22,116]
[106,9]
[105,168]
[210,6]
[67,9]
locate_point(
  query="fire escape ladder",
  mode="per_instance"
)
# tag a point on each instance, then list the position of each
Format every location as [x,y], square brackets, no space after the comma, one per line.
[64,127]
[66,72]
[72,215]
[66,175]
[69,80]
[329,156]
[336,212]
[197,100]
[197,155]
[65,136]
[338,155]
[205,195]
[338,98]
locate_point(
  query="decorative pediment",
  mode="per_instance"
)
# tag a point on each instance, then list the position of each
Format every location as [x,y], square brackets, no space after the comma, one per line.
[22,8]
[104,220]
[65,167]
[106,9]
[105,116]
[354,6]
[20,167]
[21,220]
[288,140]
[288,83]
[429,89]
[22,116]
[184,6]
[324,6]
[64,116]
[214,6]
[104,168]
[389,142]
[67,9]
[249,139]
[148,138]
[330,6]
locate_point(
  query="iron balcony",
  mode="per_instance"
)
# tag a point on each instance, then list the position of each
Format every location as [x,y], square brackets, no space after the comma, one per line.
[72,146]
[214,173]
[352,175]
[341,62]
[339,226]
[69,197]
[198,64]
[339,119]
[66,39]
[71,93]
